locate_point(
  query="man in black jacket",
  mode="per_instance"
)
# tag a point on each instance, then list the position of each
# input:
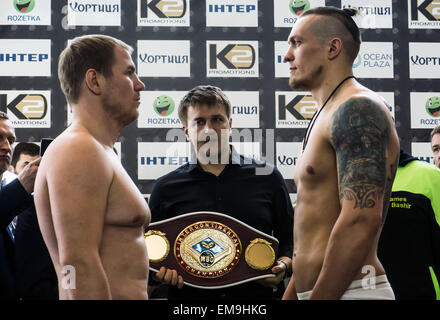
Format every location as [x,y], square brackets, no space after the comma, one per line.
[15,196]
[409,246]
[35,276]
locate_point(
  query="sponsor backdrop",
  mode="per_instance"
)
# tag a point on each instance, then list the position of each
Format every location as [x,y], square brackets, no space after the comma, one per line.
[237,45]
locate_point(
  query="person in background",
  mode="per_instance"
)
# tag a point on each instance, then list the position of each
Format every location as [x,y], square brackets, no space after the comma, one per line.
[231,187]
[35,275]
[409,245]
[15,196]
[435,145]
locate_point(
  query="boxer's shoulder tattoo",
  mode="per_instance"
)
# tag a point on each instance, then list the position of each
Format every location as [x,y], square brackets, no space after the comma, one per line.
[359,133]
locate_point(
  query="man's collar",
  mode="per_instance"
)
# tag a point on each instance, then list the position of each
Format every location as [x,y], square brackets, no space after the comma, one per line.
[7,177]
[234,158]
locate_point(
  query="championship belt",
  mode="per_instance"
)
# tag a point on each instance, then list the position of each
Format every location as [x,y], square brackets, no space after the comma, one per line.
[210,250]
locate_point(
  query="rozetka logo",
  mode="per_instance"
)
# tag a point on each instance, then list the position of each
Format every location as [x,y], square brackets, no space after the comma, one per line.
[299,6]
[24,6]
[433,106]
[163,105]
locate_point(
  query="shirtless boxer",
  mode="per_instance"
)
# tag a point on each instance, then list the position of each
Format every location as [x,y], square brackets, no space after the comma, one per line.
[90,212]
[346,169]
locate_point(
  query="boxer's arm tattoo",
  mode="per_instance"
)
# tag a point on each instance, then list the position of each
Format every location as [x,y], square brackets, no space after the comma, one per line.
[359,133]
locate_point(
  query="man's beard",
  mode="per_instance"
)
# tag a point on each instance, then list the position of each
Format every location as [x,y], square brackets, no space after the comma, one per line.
[119,113]
[305,83]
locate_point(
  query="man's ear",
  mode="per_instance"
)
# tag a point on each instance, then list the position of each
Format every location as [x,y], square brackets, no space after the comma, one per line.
[335,48]
[185,130]
[93,81]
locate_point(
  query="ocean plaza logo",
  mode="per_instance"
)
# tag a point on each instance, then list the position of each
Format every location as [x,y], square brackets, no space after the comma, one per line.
[423,14]
[240,13]
[375,60]
[169,13]
[232,59]
[287,12]
[425,110]
[26,109]
[294,109]
[25,12]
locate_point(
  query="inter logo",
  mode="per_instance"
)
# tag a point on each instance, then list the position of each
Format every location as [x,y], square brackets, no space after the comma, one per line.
[24,6]
[232,59]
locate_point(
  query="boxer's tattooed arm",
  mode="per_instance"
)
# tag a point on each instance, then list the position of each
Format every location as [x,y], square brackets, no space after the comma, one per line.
[360,132]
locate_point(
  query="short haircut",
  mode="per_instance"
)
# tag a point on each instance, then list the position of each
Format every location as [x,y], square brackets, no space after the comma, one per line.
[3,116]
[84,53]
[28,148]
[206,95]
[435,131]
[344,16]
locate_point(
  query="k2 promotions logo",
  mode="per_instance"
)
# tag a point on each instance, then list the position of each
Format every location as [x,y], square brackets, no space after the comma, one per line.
[232,59]
[423,14]
[286,12]
[425,110]
[169,13]
[25,12]
[294,109]
[26,109]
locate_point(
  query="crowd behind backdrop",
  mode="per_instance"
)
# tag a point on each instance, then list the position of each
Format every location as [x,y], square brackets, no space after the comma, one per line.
[237,45]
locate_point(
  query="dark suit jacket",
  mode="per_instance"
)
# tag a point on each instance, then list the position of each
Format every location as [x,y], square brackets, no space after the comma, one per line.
[13,200]
[36,278]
